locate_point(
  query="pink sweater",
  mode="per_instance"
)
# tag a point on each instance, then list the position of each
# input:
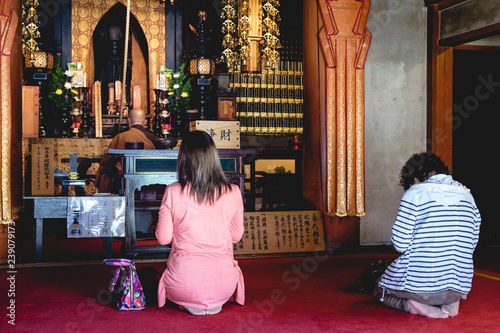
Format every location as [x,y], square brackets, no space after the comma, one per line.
[201,271]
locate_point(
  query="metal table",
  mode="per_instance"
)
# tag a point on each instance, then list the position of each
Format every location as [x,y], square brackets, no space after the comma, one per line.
[55,207]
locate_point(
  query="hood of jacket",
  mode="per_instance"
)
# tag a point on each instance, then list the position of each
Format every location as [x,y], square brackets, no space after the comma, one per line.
[444,190]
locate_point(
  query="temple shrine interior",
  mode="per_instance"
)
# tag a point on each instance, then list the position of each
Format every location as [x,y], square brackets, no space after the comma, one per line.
[313,105]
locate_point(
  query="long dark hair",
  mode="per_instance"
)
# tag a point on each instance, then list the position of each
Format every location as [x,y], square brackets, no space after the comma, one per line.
[421,166]
[198,164]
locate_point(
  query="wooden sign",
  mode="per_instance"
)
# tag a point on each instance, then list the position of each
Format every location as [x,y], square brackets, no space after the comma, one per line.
[97,108]
[281,232]
[226,106]
[30,109]
[42,169]
[226,134]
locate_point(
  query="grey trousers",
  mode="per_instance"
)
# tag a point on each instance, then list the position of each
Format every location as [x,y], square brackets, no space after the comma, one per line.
[398,299]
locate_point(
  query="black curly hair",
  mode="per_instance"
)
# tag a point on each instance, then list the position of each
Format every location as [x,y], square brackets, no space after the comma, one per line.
[421,166]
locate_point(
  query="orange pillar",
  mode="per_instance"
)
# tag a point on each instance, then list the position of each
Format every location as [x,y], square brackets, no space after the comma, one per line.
[336,43]
[440,91]
[10,124]
[345,40]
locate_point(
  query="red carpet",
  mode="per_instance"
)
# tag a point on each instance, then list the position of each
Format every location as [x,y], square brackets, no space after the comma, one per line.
[301,294]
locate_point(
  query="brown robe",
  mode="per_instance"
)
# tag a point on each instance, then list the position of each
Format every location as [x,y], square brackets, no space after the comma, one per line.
[108,175]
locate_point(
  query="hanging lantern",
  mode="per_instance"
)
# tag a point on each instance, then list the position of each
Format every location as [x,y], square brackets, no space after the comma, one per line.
[202,66]
[39,60]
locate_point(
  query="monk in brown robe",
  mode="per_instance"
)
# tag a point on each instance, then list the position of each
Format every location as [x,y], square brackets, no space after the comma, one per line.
[108,174]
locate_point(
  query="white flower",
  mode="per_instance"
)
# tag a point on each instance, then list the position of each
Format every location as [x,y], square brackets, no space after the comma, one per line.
[69,73]
[176,86]
[176,75]
[67,85]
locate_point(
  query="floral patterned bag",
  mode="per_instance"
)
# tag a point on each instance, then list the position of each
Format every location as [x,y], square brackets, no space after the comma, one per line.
[125,285]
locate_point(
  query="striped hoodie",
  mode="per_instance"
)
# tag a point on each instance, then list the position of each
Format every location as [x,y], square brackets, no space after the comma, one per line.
[437,229]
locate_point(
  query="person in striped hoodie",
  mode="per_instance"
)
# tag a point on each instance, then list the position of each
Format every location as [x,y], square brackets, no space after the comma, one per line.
[436,230]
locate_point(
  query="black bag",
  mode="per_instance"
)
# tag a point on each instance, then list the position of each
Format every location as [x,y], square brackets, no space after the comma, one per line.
[365,283]
[150,279]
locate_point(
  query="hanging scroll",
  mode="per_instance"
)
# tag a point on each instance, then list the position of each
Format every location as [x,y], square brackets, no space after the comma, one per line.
[281,232]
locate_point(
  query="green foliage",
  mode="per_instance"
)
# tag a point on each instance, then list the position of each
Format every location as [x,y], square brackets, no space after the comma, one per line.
[61,91]
[179,90]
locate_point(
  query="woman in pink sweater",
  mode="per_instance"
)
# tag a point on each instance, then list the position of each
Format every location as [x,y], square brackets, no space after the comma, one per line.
[201,215]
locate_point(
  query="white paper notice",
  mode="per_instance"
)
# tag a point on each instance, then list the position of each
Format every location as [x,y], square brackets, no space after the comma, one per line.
[96,216]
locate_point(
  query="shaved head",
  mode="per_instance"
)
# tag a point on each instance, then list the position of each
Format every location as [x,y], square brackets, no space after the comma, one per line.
[136,116]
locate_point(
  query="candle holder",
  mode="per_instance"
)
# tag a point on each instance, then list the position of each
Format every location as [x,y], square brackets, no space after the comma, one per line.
[111,107]
[118,106]
[165,123]
[157,128]
[76,113]
[86,125]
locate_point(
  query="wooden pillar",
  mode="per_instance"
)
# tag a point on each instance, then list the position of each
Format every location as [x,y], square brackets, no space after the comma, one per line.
[10,123]
[439,91]
[314,109]
[336,43]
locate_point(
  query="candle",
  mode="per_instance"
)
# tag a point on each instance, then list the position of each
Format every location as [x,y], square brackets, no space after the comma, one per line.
[85,79]
[111,92]
[157,81]
[136,94]
[118,91]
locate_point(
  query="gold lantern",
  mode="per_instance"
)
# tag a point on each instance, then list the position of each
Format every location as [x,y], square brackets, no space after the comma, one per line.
[202,66]
[39,60]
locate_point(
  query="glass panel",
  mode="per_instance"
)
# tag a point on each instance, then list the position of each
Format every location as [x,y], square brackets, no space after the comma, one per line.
[228,164]
[149,165]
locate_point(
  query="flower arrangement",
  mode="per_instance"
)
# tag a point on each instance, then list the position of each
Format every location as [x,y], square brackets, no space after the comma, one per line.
[178,91]
[61,90]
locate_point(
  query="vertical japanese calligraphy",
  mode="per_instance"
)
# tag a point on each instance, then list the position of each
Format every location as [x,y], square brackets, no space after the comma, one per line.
[281,232]
[42,169]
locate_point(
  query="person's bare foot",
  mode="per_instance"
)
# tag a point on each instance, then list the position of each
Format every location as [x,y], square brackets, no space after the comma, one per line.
[451,309]
[426,310]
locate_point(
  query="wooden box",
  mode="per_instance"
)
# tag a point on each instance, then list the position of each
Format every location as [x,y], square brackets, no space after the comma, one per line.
[30,110]
[226,134]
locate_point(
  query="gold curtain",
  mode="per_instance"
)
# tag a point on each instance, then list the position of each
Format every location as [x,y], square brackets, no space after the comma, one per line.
[345,41]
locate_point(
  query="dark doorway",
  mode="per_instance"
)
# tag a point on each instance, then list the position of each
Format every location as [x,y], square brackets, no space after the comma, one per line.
[476,135]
